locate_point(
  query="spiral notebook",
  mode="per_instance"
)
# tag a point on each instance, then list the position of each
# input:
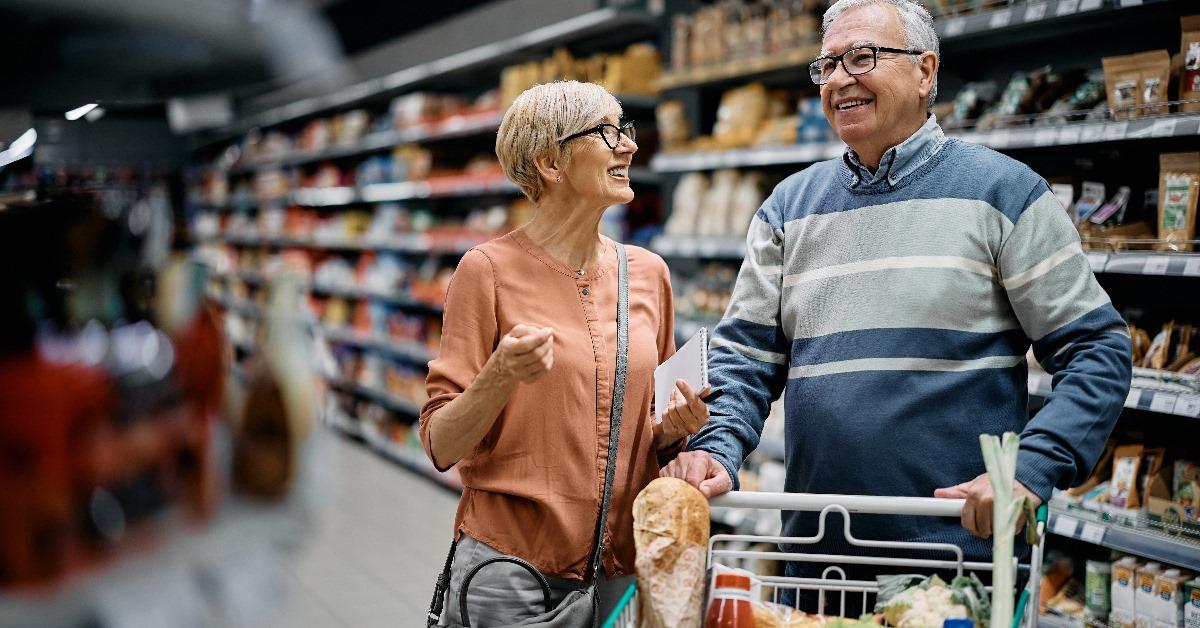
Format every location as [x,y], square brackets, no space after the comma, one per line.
[690,363]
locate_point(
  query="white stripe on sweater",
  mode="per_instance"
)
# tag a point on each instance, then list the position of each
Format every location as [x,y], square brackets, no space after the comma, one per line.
[1044,266]
[951,262]
[903,364]
[750,352]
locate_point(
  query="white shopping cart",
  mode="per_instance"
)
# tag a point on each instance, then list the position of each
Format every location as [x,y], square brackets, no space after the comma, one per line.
[850,596]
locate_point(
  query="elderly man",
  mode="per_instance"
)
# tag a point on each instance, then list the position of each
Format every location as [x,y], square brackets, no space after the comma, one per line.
[891,296]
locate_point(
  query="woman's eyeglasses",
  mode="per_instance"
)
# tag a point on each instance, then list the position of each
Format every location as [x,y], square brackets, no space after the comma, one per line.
[610,132]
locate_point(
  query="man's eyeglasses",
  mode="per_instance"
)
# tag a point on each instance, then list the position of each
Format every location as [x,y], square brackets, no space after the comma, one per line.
[855,61]
[610,132]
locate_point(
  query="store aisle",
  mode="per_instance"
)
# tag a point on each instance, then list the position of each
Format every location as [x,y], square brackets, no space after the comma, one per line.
[380,538]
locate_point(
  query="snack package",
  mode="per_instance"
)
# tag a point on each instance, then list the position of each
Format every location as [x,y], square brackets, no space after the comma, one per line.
[1136,80]
[673,127]
[1126,461]
[1185,473]
[1178,186]
[1155,77]
[1121,78]
[1189,77]
[1090,199]
[670,532]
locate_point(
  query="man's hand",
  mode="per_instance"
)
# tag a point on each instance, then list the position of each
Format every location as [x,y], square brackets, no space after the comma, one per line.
[977,512]
[702,471]
[686,414]
[526,353]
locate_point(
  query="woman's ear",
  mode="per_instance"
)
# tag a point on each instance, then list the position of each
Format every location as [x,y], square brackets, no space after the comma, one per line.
[549,169]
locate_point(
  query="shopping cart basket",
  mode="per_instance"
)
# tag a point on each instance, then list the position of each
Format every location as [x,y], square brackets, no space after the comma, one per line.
[724,548]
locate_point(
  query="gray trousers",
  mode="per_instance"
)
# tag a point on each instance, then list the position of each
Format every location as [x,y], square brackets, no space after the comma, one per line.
[503,593]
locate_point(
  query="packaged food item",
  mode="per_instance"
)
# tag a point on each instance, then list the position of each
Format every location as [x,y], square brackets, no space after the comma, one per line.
[1185,473]
[1189,78]
[1113,207]
[1191,611]
[1097,588]
[1124,585]
[1124,492]
[1168,590]
[1058,570]
[1156,355]
[730,606]
[670,531]
[1137,81]
[1144,600]
[1178,186]
[768,615]
[1090,200]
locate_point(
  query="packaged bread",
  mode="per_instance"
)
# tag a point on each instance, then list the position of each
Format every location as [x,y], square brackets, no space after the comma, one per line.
[1189,77]
[1126,461]
[1178,185]
[670,533]
[768,615]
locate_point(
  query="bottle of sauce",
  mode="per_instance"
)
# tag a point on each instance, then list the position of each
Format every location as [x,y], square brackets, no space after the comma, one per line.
[730,605]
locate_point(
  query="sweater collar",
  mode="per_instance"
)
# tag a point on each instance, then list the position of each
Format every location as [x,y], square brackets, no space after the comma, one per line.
[902,159]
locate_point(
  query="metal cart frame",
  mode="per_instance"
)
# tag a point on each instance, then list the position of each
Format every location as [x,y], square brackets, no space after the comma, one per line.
[833,579]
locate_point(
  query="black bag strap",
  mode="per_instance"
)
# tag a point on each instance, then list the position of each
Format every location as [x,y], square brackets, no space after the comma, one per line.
[614,433]
[537,575]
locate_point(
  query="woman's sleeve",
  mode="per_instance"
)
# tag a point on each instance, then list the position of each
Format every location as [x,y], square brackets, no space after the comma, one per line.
[469,336]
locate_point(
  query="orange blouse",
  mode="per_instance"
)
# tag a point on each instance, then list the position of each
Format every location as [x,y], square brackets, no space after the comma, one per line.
[532,486]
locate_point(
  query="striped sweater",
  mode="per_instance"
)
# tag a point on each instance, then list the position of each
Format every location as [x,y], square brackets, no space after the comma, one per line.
[893,311]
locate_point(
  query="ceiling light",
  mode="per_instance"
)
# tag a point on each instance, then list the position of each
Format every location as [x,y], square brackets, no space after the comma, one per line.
[21,148]
[79,112]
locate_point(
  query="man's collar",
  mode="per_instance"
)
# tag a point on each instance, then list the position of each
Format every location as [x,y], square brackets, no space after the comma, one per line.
[902,159]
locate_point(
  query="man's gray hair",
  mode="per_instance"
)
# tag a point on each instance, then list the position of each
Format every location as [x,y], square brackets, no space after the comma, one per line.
[919,33]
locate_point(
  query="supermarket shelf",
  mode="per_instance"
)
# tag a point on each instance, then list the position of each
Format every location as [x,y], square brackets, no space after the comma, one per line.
[644,175]
[699,246]
[398,300]
[632,23]
[408,351]
[1093,529]
[407,457]
[1021,16]
[1146,263]
[1173,125]
[411,243]
[739,69]
[435,188]
[1058,621]
[380,397]
[459,125]
[1178,403]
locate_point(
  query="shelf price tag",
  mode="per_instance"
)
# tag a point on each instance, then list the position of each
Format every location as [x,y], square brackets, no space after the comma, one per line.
[1156,265]
[1192,268]
[1000,19]
[1092,533]
[1091,133]
[999,139]
[1163,128]
[1097,260]
[1188,405]
[1035,12]
[1134,397]
[955,27]
[1065,526]
[1128,3]
[1045,137]
[1066,7]
[1070,134]
[1163,403]
[1116,130]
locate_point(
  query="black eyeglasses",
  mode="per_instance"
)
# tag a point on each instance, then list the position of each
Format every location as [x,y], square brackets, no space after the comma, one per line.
[610,132]
[856,61]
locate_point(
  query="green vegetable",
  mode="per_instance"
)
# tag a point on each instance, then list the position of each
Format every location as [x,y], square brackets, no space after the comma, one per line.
[969,592]
[1000,459]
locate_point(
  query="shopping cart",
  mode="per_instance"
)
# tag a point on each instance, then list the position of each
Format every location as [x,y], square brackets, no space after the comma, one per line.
[724,548]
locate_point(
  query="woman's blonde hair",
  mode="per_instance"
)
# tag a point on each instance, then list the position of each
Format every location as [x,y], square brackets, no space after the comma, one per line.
[538,120]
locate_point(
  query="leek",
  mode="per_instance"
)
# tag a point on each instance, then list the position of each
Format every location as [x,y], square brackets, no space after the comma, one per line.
[1000,459]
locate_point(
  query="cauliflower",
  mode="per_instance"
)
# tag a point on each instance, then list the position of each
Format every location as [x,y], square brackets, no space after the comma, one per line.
[930,608]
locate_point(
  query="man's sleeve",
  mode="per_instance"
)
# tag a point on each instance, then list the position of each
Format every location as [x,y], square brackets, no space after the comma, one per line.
[748,352]
[1078,338]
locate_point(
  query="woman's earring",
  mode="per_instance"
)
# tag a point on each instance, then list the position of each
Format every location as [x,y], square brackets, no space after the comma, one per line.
[559,178]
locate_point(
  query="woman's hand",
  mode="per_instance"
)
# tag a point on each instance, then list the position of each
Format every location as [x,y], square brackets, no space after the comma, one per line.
[686,414]
[525,353]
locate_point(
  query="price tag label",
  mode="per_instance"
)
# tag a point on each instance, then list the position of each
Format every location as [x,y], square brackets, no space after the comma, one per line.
[1188,405]
[1116,130]
[1069,134]
[1126,3]
[1134,397]
[999,139]
[1091,133]
[1092,533]
[1192,268]
[1035,12]
[1156,265]
[955,27]
[1163,402]
[1000,19]
[1065,526]
[1045,137]
[1163,128]
[1097,260]
[1066,7]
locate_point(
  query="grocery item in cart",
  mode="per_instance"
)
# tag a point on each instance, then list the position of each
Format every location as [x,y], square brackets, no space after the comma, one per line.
[768,615]
[730,606]
[913,601]
[670,532]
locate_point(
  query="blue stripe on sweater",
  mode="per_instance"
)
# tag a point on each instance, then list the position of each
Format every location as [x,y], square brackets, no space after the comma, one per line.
[751,334]
[944,344]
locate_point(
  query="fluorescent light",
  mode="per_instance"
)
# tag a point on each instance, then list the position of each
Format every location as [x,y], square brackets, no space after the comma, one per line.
[21,148]
[79,112]
[94,114]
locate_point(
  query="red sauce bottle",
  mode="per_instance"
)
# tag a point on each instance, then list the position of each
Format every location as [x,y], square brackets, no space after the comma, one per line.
[730,605]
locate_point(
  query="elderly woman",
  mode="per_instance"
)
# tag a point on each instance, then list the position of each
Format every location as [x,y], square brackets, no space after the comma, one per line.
[520,394]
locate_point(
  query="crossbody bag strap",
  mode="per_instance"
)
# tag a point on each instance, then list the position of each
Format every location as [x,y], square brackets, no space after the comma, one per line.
[618,402]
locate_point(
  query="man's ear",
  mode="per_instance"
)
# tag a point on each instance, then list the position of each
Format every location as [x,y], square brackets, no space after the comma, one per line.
[548,169]
[928,67]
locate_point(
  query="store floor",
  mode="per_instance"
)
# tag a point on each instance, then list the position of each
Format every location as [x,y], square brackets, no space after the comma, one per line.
[380,539]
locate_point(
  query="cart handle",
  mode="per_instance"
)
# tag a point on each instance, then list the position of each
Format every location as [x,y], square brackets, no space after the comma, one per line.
[868,504]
